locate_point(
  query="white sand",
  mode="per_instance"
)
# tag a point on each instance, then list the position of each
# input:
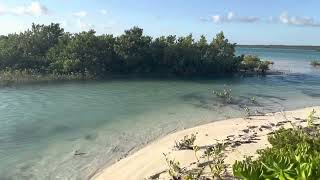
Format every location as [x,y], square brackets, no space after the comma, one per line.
[150,160]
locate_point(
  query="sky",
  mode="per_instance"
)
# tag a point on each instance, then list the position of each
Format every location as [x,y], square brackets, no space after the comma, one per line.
[287,22]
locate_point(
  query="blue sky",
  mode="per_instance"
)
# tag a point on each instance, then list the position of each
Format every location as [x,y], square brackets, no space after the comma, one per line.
[292,22]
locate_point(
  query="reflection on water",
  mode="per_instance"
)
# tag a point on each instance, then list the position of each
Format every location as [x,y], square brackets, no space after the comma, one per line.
[70,130]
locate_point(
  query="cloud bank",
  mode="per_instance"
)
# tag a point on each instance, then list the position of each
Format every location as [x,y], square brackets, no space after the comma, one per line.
[230,17]
[32,9]
[284,18]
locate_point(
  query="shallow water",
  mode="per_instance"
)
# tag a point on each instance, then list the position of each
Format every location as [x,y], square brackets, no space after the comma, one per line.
[42,125]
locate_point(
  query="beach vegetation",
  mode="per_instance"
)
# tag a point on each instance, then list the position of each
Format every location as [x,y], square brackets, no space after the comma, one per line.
[175,171]
[311,118]
[186,143]
[295,154]
[196,150]
[215,159]
[211,160]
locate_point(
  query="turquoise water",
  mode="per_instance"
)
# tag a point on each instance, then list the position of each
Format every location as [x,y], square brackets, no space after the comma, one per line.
[42,125]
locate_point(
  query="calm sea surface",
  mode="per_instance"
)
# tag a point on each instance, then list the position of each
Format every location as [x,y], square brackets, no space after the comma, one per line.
[43,125]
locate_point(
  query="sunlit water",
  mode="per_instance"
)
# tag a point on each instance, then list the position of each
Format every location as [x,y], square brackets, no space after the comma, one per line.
[43,125]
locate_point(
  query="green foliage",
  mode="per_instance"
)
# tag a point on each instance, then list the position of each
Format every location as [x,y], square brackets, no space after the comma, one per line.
[263,66]
[295,154]
[311,118]
[251,62]
[315,63]
[247,169]
[175,171]
[196,149]
[186,143]
[224,94]
[253,100]
[215,159]
[254,63]
[48,49]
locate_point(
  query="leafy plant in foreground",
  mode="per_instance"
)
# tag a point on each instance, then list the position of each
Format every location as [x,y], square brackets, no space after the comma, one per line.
[295,154]
[311,118]
[247,169]
[196,149]
[186,143]
[215,160]
[175,171]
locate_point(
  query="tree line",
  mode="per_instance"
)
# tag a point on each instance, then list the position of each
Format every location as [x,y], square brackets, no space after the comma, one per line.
[49,49]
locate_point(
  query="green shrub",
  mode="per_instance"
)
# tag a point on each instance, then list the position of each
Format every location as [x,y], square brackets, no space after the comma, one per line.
[263,66]
[295,154]
[251,62]
[311,118]
[175,171]
[215,159]
[254,63]
[186,143]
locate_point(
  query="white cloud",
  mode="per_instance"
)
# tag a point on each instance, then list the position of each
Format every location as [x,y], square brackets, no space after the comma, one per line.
[216,18]
[33,9]
[81,14]
[248,19]
[285,18]
[230,17]
[103,11]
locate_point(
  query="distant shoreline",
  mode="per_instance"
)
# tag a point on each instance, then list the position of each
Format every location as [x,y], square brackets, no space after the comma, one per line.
[316,48]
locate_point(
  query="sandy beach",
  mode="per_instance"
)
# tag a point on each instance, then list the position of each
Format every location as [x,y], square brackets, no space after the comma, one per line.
[245,134]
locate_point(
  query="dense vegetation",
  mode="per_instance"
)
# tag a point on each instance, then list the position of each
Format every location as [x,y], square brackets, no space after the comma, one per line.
[295,154]
[48,49]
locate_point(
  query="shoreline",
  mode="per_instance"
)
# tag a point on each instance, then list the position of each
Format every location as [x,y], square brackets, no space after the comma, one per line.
[29,79]
[149,161]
